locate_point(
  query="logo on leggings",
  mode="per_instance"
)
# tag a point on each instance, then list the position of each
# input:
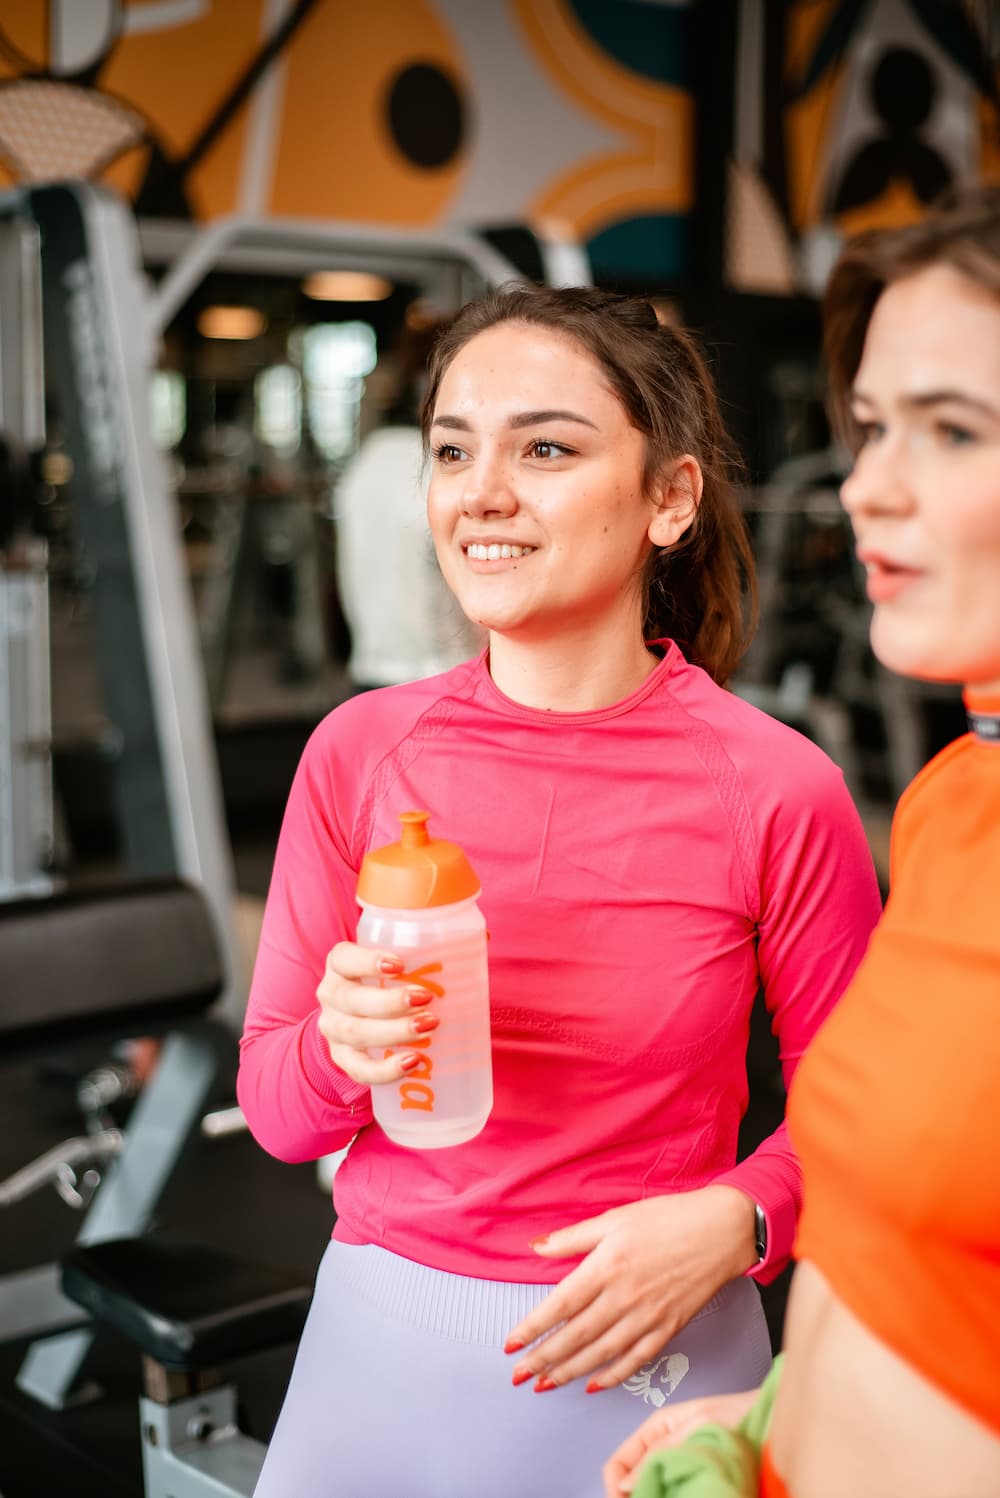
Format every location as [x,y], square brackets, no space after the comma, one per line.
[669,1369]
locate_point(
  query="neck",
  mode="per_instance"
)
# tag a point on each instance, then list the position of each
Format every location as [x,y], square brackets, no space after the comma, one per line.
[574,673]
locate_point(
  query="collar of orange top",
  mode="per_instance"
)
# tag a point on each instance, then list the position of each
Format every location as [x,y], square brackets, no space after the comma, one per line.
[982,709]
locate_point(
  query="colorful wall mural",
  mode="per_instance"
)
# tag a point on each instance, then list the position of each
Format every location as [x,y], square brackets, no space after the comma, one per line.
[573,116]
[570,115]
[851,114]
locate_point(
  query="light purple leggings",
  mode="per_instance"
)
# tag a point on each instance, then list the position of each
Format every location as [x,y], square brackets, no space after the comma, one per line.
[401,1389]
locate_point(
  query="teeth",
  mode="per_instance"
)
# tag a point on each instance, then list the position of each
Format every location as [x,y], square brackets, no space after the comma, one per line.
[496,552]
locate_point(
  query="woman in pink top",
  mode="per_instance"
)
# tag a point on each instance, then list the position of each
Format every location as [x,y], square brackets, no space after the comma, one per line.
[652,850]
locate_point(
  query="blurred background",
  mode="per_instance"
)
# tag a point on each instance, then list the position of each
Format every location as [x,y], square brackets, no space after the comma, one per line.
[228,230]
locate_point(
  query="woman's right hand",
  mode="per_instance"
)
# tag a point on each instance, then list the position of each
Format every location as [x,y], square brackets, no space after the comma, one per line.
[357,1017]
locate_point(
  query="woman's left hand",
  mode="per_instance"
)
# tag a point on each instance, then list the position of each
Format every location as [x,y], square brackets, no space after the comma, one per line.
[650,1266]
[669,1427]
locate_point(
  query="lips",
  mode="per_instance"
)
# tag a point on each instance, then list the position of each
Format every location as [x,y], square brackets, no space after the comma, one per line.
[885,578]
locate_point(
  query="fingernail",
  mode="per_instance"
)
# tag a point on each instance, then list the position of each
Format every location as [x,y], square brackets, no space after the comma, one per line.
[409,1062]
[593,1387]
[537,1242]
[423,1023]
[513,1344]
[390,965]
[521,1376]
[544,1385]
[418,996]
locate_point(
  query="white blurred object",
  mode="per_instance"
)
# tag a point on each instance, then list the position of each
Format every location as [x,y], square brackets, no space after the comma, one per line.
[327,1167]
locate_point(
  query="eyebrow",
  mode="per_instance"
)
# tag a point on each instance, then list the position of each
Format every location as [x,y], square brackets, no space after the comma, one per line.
[522,419]
[927,398]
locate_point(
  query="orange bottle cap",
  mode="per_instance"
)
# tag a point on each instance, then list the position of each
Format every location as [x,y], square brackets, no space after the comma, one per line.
[416,872]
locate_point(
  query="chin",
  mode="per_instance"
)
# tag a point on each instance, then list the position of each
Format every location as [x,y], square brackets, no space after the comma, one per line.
[898,647]
[908,658]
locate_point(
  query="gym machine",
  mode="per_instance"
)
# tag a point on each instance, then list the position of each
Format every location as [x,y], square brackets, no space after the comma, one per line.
[100,965]
[189,1309]
[25,780]
[81,307]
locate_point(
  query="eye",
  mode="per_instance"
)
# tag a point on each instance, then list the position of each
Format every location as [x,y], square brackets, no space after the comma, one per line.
[954,436]
[869,431]
[446,453]
[541,448]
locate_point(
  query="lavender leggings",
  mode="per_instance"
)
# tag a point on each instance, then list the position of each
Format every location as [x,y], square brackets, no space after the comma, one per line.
[401,1390]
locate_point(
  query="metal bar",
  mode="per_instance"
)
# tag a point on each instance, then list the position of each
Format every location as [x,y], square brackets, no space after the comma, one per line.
[210,246]
[84,1149]
[32,1304]
[166,1114]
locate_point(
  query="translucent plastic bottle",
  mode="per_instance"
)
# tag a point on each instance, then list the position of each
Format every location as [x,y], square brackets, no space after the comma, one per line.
[419,899]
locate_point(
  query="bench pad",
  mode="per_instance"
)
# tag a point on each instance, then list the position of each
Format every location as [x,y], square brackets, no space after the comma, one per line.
[187,1306]
[82,963]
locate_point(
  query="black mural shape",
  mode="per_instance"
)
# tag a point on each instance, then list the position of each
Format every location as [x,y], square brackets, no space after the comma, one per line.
[426,115]
[163,191]
[902,92]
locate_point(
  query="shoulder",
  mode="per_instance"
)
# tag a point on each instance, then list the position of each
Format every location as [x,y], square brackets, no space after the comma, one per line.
[775,764]
[366,727]
[936,780]
[955,798]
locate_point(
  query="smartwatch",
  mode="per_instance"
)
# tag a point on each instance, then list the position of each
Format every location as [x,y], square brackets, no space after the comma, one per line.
[760,1233]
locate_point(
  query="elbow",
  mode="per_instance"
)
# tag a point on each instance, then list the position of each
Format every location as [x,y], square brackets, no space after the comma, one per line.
[265,1119]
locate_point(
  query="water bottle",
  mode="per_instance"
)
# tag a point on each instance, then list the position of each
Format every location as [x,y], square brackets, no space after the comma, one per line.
[419,899]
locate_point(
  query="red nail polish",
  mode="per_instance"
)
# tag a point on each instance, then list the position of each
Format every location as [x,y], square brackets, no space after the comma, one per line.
[390,965]
[535,1242]
[425,1022]
[593,1387]
[544,1384]
[513,1345]
[417,997]
[409,1062]
[521,1376]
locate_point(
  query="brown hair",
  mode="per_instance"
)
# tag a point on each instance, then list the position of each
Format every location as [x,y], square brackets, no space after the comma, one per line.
[963,232]
[693,591]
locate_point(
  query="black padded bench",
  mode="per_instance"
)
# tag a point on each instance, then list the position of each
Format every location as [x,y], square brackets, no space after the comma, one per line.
[104,963]
[187,1307]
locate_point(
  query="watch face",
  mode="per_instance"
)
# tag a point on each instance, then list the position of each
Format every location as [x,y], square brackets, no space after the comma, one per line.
[760,1232]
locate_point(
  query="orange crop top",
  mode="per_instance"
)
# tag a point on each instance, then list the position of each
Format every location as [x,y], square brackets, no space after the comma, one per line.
[894,1109]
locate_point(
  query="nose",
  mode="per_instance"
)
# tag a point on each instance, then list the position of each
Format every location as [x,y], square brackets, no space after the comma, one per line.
[487,490]
[877,484]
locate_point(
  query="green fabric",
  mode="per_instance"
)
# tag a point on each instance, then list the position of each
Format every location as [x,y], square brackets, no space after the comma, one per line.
[713,1461]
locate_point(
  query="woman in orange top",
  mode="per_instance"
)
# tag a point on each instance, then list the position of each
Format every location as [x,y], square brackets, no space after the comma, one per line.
[891,1384]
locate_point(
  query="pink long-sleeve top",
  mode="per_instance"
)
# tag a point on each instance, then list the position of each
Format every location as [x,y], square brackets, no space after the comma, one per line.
[645,868]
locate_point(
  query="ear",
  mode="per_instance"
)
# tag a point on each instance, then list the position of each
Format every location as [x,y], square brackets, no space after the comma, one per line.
[677,497]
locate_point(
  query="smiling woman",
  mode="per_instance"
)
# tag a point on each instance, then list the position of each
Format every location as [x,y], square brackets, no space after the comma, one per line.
[652,851]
